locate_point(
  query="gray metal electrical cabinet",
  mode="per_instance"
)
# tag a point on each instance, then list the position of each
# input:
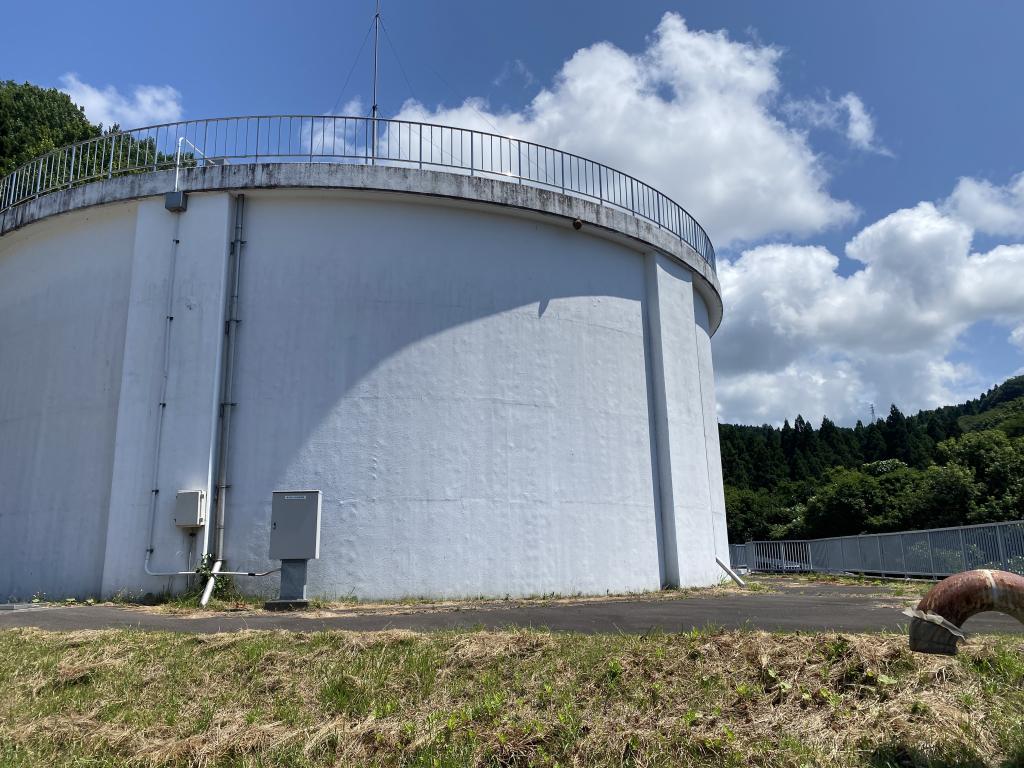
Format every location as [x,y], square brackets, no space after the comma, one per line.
[190,509]
[295,525]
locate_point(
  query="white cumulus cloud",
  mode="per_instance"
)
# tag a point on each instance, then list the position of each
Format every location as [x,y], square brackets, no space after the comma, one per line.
[846,115]
[147,105]
[692,114]
[1017,336]
[989,208]
[800,336]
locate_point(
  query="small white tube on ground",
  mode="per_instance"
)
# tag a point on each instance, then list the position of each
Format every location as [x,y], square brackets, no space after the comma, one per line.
[210,584]
[732,574]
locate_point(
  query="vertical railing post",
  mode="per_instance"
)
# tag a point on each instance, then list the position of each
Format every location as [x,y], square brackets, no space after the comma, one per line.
[881,561]
[903,557]
[110,166]
[931,555]
[472,152]
[963,551]
[71,170]
[1003,562]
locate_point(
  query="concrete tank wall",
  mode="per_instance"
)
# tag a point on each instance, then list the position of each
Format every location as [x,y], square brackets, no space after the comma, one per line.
[468,390]
[64,286]
[491,402]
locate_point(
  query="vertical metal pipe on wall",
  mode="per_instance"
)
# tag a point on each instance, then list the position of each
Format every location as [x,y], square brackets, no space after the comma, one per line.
[161,413]
[227,404]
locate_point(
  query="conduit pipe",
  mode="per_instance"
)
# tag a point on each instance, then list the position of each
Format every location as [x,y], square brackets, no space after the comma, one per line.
[935,625]
[228,378]
[161,410]
[730,572]
[211,582]
[216,571]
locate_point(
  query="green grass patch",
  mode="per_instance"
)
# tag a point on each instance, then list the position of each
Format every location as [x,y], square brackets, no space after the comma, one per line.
[702,698]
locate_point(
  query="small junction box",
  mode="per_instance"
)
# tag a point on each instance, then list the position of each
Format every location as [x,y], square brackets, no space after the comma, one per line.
[190,509]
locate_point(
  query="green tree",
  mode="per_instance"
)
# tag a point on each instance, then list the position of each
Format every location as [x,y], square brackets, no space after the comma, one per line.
[34,120]
[948,496]
[842,506]
[997,465]
[756,515]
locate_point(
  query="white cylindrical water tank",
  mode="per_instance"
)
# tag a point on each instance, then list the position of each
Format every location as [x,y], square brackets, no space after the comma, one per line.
[491,400]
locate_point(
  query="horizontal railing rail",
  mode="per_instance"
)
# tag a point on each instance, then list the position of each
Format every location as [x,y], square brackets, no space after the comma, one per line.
[350,140]
[934,553]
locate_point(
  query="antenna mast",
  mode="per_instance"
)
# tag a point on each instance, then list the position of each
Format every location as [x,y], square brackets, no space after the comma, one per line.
[376,46]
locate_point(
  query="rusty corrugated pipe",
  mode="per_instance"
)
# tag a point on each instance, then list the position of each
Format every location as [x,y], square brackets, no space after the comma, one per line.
[935,624]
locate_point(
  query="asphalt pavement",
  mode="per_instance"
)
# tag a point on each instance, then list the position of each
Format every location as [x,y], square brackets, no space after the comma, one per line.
[790,605]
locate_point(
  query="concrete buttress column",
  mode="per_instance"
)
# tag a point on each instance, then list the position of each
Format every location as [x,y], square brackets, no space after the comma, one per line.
[685,426]
[196,280]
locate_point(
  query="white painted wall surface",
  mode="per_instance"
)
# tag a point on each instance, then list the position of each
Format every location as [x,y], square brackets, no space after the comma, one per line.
[467,389]
[712,449]
[490,403]
[184,257]
[684,418]
[63,303]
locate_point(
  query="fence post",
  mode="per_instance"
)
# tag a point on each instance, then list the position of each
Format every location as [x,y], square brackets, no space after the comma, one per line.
[963,551]
[110,167]
[903,558]
[931,555]
[71,170]
[810,558]
[1002,547]
[881,561]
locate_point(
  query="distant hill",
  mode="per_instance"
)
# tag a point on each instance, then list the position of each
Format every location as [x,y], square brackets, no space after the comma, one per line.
[774,475]
[761,457]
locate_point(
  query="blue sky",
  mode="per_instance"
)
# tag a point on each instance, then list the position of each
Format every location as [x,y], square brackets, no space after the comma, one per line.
[791,129]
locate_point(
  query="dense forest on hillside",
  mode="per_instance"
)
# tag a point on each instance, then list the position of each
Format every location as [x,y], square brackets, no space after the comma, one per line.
[948,466]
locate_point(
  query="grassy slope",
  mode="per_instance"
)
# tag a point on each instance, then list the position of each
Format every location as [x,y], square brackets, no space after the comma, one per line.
[505,698]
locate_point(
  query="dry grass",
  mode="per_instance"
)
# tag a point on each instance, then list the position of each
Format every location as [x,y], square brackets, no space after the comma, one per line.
[713,698]
[188,604]
[883,587]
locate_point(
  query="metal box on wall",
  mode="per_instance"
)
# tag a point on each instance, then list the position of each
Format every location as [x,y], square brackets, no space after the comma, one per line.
[295,525]
[190,509]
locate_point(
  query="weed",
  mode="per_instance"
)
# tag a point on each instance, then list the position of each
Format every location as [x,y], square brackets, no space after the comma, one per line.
[706,698]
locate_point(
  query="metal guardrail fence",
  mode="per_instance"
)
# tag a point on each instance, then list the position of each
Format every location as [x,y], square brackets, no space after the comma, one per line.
[354,140]
[934,553]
